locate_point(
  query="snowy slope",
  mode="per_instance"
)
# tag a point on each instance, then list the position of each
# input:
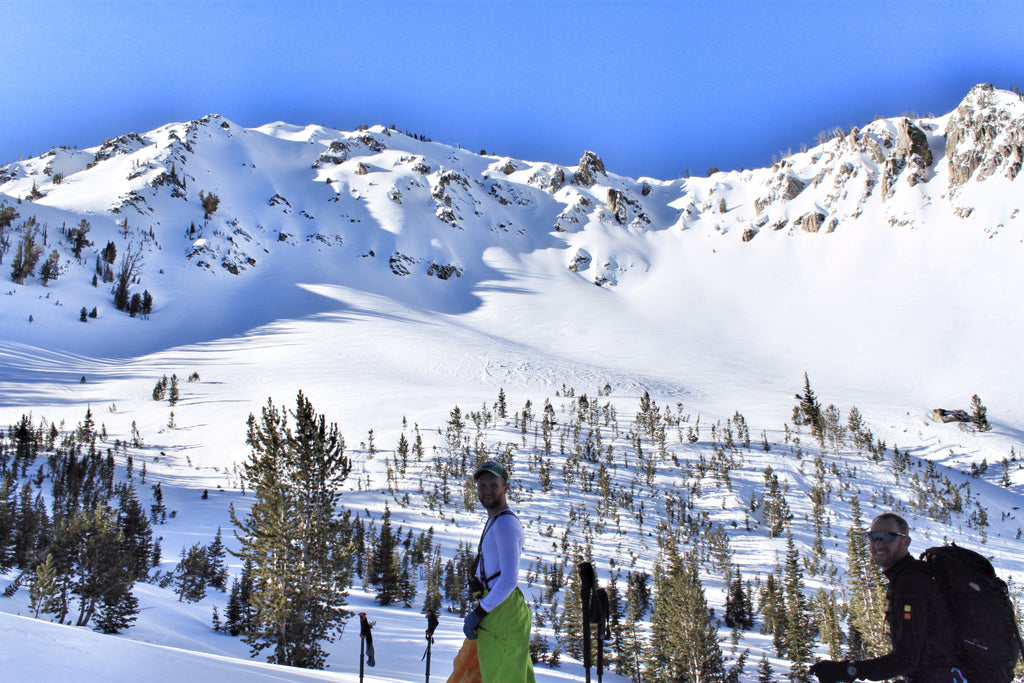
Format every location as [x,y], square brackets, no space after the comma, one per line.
[390,277]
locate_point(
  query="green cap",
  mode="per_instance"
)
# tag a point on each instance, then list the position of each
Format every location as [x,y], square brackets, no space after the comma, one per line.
[492,466]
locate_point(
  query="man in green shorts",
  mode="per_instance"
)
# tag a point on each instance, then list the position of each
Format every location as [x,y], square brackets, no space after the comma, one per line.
[501,620]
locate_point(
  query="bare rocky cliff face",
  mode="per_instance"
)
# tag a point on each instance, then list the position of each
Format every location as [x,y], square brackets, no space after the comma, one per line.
[985,137]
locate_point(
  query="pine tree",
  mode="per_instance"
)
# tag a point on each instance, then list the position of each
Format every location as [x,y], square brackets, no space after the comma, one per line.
[119,610]
[160,389]
[827,618]
[79,238]
[136,533]
[291,534]
[684,637]
[571,619]
[764,671]
[739,613]
[173,393]
[385,570]
[238,619]
[27,255]
[979,415]
[432,599]
[218,571]
[88,550]
[808,410]
[865,596]
[501,407]
[128,269]
[8,507]
[776,509]
[773,610]
[799,636]
[191,573]
[51,268]
[44,594]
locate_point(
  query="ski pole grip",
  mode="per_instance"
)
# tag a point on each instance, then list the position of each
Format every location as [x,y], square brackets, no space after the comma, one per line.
[586,570]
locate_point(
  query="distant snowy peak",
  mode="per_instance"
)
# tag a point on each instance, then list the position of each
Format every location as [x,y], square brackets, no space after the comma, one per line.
[229,197]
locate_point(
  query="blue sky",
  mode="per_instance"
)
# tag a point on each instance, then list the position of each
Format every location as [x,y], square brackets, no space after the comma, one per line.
[656,89]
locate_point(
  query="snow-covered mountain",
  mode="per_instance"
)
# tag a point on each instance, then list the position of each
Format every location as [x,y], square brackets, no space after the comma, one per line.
[390,277]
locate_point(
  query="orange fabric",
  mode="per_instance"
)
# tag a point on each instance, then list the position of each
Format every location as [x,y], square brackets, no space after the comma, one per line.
[467,666]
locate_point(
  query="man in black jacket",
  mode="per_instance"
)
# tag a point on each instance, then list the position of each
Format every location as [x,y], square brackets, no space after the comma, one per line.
[919,623]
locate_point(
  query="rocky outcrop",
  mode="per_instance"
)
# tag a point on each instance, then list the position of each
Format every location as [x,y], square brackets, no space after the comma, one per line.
[444,272]
[623,207]
[982,138]
[590,165]
[810,222]
[944,415]
[911,141]
[337,153]
[783,187]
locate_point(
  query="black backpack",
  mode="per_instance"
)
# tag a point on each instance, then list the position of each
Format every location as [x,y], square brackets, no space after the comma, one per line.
[988,643]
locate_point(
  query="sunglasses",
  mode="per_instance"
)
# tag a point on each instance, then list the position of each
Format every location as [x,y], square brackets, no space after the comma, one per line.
[884,536]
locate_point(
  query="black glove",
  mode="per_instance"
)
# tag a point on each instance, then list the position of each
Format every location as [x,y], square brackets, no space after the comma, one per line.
[829,671]
[472,620]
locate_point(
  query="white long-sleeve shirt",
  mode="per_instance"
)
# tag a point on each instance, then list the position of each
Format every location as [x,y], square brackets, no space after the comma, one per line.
[500,551]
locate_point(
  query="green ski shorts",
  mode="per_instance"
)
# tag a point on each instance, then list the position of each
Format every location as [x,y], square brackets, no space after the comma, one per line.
[503,642]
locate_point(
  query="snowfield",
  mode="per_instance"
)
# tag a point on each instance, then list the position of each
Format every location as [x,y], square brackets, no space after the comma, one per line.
[704,292]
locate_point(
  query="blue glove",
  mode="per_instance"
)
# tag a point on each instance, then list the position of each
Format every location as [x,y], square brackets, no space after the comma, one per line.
[472,621]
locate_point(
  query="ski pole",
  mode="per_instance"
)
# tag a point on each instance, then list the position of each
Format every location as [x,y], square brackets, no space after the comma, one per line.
[586,591]
[365,644]
[600,607]
[362,652]
[431,625]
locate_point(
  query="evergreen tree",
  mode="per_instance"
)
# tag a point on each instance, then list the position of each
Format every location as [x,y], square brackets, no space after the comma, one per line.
[136,533]
[865,597]
[238,619]
[385,568]
[135,305]
[501,407]
[776,509]
[799,636]
[808,410]
[51,268]
[979,415]
[109,253]
[432,599]
[210,204]
[44,594]
[88,551]
[191,574]
[119,610]
[128,269]
[291,534]
[684,636]
[79,238]
[764,671]
[827,618]
[173,393]
[218,571]
[739,612]
[27,255]
[571,619]
[773,610]
[8,517]
[160,389]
